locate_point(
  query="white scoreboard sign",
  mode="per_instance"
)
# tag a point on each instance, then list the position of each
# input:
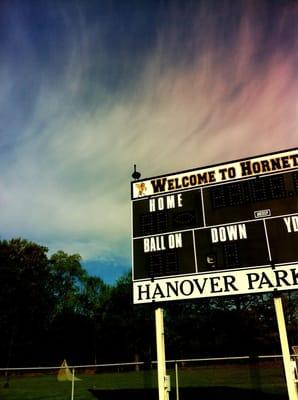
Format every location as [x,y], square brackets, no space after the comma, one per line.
[220,230]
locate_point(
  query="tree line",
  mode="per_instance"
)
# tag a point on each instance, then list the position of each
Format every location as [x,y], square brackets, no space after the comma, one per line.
[52,309]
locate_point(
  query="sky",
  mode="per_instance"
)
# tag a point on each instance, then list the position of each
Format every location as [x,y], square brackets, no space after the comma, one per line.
[89,88]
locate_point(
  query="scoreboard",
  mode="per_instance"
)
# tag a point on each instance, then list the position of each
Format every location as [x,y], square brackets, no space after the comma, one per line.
[219,230]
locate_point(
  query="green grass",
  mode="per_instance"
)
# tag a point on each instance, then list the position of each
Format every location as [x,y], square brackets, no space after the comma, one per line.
[269,379]
[48,388]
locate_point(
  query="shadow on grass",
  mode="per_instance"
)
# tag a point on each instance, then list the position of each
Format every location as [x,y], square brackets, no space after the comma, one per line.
[215,393]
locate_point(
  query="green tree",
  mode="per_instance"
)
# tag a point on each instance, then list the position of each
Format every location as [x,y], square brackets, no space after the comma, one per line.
[80,305]
[134,324]
[26,298]
[68,276]
[94,298]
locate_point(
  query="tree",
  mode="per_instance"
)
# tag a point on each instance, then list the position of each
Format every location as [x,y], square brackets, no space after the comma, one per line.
[25,298]
[79,310]
[67,277]
[128,330]
[94,298]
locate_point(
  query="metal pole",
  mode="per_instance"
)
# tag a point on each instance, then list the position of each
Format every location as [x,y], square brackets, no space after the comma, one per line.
[177,381]
[72,384]
[161,357]
[292,392]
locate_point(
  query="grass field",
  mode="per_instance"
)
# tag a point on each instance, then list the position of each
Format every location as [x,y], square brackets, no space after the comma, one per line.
[266,379]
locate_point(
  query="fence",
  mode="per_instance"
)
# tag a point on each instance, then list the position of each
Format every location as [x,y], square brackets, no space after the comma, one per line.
[229,378]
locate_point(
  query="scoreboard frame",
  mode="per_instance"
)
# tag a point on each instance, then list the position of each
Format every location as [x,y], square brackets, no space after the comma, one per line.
[224,229]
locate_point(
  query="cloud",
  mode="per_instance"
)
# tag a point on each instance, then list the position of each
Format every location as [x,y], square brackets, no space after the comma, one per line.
[206,92]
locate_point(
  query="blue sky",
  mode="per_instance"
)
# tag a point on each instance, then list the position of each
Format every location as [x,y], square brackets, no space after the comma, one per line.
[89,88]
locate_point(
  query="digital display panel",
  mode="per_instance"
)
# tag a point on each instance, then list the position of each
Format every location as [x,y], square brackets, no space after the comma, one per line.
[231,246]
[168,213]
[164,255]
[242,200]
[216,220]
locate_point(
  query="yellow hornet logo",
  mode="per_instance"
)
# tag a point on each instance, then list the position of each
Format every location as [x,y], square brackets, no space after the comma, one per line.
[141,188]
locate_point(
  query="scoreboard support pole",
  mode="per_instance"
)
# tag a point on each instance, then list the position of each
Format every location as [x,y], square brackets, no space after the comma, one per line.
[292,391]
[163,389]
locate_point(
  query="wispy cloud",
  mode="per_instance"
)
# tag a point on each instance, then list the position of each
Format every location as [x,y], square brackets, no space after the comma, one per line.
[77,115]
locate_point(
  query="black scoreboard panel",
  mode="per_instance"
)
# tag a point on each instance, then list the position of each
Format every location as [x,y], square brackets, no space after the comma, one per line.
[239,224]
[164,261]
[283,238]
[239,201]
[166,219]
[246,247]
[224,203]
